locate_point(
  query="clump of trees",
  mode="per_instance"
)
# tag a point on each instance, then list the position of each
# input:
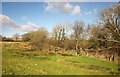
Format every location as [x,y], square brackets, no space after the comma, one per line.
[105,35]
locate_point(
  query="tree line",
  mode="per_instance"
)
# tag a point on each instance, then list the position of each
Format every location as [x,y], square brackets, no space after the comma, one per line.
[103,34]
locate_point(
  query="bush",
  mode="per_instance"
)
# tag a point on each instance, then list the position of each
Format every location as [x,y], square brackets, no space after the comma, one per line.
[38,38]
[69,44]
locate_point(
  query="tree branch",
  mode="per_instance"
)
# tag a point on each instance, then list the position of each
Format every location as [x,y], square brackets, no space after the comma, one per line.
[109,40]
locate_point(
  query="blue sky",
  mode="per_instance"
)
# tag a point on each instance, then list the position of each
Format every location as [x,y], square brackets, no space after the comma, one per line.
[21,17]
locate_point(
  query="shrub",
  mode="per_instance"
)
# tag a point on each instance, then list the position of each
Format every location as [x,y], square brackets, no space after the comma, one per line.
[38,38]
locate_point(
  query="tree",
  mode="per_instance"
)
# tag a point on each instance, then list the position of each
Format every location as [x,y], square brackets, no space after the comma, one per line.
[77,31]
[100,32]
[109,19]
[26,37]
[39,38]
[58,34]
[16,36]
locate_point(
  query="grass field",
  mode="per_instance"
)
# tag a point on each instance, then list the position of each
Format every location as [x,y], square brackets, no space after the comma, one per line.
[16,60]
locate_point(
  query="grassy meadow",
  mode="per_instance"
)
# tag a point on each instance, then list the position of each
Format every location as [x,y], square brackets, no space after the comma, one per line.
[17,59]
[57,37]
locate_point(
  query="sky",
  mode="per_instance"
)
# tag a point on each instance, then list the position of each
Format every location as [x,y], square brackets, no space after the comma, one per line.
[22,17]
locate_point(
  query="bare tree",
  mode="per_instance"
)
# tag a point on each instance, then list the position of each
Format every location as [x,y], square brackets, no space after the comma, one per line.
[38,38]
[77,31]
[109,18]
[58,34]
[109,22]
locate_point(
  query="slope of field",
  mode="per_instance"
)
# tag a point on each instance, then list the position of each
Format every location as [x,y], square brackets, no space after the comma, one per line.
[16,60]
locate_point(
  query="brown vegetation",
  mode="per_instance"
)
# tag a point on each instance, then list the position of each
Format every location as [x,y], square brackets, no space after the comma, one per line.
[100,40]
[97,40]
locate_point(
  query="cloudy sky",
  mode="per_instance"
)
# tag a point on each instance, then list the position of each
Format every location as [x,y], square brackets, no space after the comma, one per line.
[21,17]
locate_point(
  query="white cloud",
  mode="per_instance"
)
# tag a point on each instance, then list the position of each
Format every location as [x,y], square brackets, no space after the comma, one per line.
[49,7]
[7,21]
[63,7]
[29,27]
[76,10]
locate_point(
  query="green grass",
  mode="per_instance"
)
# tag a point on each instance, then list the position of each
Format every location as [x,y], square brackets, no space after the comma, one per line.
[18,61]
